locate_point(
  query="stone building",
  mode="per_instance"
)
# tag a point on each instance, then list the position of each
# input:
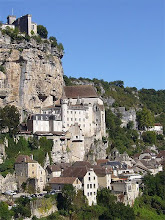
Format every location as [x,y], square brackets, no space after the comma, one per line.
[24,23]
[26,168]
[79,105]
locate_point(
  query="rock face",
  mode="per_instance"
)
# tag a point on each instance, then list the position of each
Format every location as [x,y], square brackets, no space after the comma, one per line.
[32,76]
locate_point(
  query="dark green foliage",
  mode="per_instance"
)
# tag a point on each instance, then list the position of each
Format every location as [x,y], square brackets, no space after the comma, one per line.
[68,81]
[154,185]
[113,209]
[149,137]
[5,214]
[118,83]
[42,31]
[151,204]
[23,208]
[7,167]
[9,118]
[122,138]
[65,200]
[2,69]
[154,100]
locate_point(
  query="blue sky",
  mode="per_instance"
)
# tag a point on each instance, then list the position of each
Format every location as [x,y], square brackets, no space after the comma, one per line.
[104,39]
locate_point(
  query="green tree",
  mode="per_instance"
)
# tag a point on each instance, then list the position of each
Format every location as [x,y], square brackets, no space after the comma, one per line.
[5,214]
[149,137]
[65,200]
[145,118]
[9,118]
[42,31]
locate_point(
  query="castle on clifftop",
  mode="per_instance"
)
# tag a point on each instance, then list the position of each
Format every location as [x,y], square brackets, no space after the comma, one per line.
[24,23]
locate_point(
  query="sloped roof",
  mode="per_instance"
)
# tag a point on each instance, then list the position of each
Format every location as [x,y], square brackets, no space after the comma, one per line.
[24,158]
[79,172]
[63,180]
[54,168]
[161,154]
[81,91]
[81,164]
[102,161]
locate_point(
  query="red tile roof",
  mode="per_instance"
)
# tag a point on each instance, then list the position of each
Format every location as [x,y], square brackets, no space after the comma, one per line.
[81,91]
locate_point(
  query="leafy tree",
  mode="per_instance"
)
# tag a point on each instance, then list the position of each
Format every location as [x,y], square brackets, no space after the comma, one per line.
[118,83]
[149,137]
[42,31]
[5,214]
[65,200]
[22,209]
[145,118]
[113,209]
[9,118]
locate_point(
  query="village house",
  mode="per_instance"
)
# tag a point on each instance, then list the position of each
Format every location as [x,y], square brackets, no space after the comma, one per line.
[52,171]
[88,178]
[57,183]
[157,127]
[125,190]
[26,168]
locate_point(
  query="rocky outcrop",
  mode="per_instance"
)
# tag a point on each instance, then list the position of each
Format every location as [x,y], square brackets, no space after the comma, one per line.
[7,183]
[32,76]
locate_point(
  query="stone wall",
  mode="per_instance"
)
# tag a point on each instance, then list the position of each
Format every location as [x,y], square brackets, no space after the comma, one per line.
[33,74]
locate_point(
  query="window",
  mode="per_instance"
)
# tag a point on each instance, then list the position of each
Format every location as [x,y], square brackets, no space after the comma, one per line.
[91,186]
[89,173]
[94,193]
[87,186]
[32,172]
[67,119]
[91,193]
[32,165]
[89,178]
[88,194]
[79,119]
[71,119]
[71,112]
[94,185]
[94,177]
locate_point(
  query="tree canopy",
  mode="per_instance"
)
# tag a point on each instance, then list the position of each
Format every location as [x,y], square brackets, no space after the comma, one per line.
[9,118]
[145,118]
[42,31]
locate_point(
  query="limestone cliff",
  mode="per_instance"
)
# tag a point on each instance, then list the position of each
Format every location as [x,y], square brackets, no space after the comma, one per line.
[31,74]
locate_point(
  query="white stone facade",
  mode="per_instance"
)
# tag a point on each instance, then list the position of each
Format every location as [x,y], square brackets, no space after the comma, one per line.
[90,182]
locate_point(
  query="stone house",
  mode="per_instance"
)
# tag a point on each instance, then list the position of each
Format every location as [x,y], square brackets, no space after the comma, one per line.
[57,183]
[52,171]
[26,168]
[125,190]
